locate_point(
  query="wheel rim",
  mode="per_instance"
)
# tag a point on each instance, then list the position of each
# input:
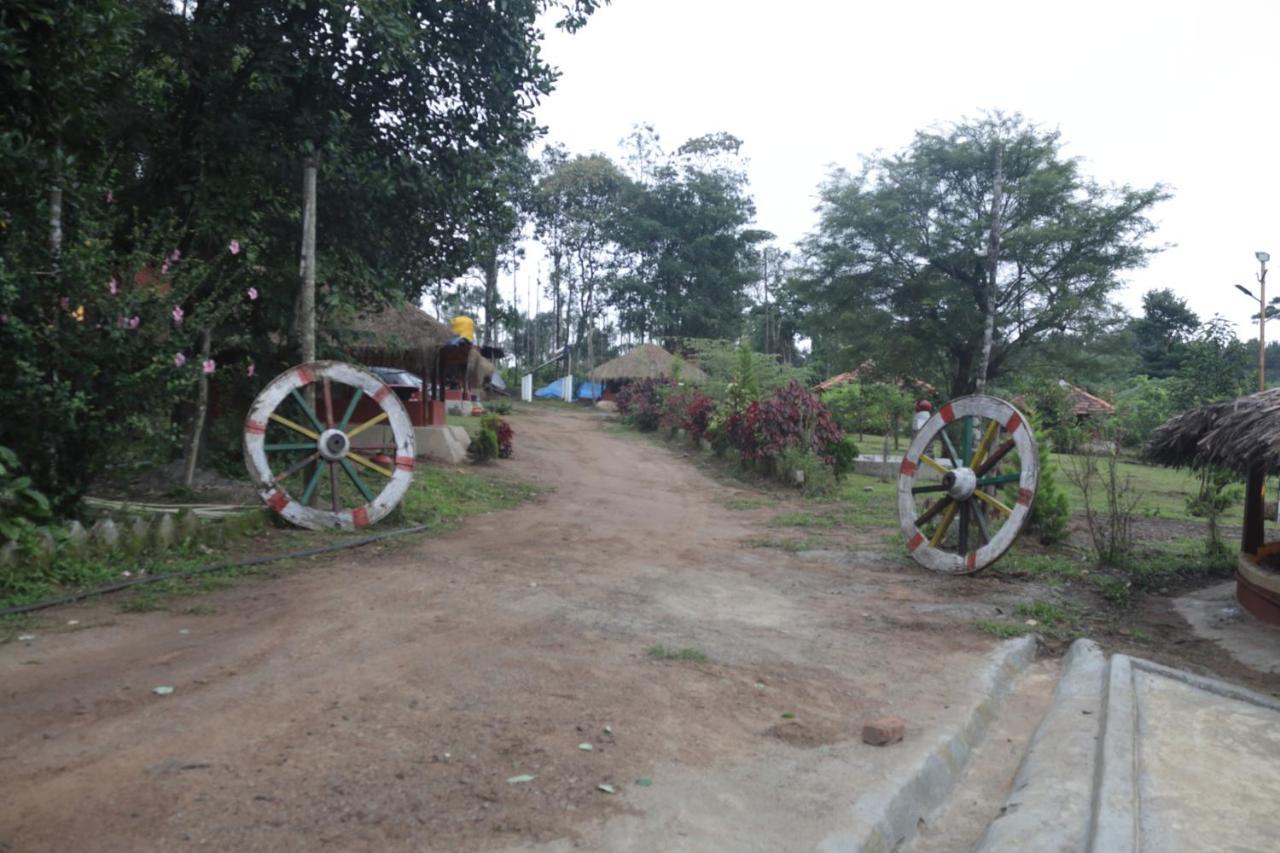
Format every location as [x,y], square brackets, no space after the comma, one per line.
[962,505]
[290,445]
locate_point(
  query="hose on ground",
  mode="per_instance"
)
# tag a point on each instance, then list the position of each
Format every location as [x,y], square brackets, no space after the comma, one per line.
[217,567]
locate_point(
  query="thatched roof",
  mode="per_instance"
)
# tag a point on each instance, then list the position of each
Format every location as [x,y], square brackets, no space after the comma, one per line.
[1236,434]
[647,361]
[401,336]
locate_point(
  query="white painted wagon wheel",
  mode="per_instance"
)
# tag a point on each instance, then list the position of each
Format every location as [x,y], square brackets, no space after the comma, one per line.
[957,502]
[289,446]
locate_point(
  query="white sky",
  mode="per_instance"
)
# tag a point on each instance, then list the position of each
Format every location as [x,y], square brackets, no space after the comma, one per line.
[1175,92]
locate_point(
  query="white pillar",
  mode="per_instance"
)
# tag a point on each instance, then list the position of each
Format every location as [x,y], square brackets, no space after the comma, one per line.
[526,388]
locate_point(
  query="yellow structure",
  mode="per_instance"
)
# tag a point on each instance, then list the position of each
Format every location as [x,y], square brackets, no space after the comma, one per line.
[464,327]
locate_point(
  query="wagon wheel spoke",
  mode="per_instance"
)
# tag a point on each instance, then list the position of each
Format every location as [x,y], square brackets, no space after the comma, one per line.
[932,463]
[335,488]
[929,513]
[373,421]
[962,537]
[936,487]
[307,410]
[944,525]
[311,484]
[295,426]
[296,467]
[983,527]
[351,409]
[994,459]
[370,464]
[355,478]
[951,448]
[298,445]
[992,502]
[984,446]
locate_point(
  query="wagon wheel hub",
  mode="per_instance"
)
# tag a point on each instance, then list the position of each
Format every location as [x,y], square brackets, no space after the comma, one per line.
[960,483]
[333,445]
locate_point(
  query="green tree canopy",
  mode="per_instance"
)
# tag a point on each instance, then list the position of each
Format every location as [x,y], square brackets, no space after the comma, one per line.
[902,253]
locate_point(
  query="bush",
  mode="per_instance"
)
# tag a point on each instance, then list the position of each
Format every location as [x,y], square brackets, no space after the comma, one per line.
[844,454]
[22,508]
[1050,517]
[493,441]
[818,477]
[640,403]
[688,409]
[793,417]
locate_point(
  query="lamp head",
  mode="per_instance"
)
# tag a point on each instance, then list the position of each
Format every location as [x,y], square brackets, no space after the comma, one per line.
[1262,257]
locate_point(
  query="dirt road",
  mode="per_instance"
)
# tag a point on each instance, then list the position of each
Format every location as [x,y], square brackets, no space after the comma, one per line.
[383,699]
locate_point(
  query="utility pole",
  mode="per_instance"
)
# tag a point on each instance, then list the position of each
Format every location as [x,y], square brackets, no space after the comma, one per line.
[1261,299]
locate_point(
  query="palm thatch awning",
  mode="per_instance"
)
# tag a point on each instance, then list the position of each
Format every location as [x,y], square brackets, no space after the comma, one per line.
[647,361]
[401,336]
[867,372]
[1238,435]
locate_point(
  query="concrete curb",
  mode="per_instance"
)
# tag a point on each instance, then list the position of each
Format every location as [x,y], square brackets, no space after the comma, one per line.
[1050,803]
[888,814]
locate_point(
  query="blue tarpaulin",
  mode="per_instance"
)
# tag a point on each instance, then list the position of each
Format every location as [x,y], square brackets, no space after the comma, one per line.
[554,391]
[590,391]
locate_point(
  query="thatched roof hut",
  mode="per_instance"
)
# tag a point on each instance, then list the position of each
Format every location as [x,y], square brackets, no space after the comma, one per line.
[646,361]
[1239,435]
[1083,404]
[407,337]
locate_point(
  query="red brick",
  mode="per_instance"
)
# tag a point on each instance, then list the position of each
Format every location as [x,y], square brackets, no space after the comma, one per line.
[884,731]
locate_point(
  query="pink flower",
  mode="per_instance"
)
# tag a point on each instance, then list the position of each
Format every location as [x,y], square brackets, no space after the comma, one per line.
[65,302]
[179,359]
[253,294]
[111,197]
[175,256]
[177,315]
[209,365]
[113,285]
[234,247]
[164,268]
[134,321]
[4,318]
[126,574]
[250,371]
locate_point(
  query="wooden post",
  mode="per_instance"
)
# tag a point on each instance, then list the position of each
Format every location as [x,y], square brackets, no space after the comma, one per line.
[307,302]
[993,268]
[1254,513]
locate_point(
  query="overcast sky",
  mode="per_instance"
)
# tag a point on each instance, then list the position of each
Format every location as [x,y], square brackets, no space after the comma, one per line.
[1174,92]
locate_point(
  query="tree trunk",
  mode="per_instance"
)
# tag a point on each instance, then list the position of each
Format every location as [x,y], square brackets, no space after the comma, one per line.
[490,295]
[202,410]
[307,300]
[993,264]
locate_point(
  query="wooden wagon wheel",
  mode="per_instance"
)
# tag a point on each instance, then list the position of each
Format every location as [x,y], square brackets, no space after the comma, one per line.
[289,446]
[966,484]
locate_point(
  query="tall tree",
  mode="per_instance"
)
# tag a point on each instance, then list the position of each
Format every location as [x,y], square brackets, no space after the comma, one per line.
[1162,332]
[984,222]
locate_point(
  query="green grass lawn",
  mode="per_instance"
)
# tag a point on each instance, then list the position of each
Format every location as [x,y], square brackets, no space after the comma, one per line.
[1161,492]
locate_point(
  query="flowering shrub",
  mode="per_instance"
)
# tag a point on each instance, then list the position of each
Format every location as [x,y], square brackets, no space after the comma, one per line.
[688,409]
[640,402]
[505,435]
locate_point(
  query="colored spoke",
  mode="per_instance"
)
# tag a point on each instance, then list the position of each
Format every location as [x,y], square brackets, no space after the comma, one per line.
[301,445]
[966,443]
[932,464]
[372,466]
[947,518]
[297,466]
[985,445]
[351,410]
[1000,480]
[328,403]
[994,459]
[982,525]
[951,448]
[379,418]
[296,427]
[933,510]
[311,486]
[355,478]
[937,487]
[963,530]
[307,410]
[992,502]
[335,490]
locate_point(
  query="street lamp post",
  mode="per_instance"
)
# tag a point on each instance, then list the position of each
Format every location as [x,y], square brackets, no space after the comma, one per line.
[1261,298]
